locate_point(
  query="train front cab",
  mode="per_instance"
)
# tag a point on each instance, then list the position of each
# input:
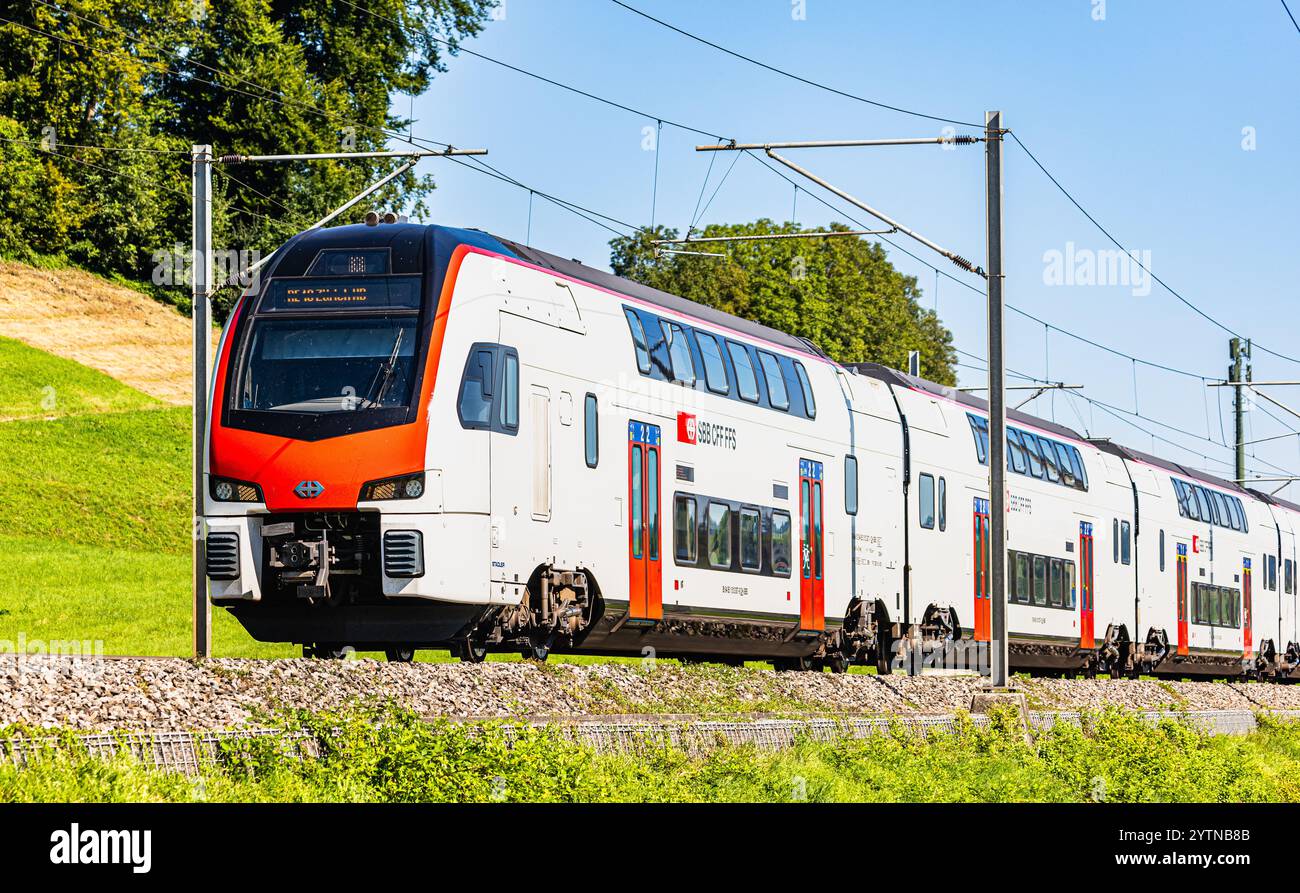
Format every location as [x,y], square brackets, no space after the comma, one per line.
[326,503]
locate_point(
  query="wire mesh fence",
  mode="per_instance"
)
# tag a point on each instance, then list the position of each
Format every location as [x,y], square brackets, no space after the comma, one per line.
[190,752]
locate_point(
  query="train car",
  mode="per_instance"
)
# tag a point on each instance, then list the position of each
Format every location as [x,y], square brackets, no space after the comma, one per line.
[427,437]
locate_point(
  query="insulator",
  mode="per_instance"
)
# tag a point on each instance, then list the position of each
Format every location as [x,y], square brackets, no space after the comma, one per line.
[232,159]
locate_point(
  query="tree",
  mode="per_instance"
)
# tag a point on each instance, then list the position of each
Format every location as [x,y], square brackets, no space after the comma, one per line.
[842,293]
[150,78]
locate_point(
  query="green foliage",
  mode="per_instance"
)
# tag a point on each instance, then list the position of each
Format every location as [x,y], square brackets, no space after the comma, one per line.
[841,292]
[38,385]
[392,755]
[150,78]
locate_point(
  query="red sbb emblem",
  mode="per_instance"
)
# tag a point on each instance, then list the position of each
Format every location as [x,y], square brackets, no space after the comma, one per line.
[685,427]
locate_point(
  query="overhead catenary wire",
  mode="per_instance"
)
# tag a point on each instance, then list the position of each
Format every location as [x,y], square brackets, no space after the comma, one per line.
[792,76]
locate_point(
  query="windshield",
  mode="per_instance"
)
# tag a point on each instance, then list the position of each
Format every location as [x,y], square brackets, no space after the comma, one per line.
[325,365]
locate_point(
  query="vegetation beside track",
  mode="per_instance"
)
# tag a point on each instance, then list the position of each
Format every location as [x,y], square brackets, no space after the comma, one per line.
[393,756]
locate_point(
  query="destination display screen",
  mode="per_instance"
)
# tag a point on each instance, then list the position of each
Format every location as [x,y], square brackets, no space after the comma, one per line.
[342,293]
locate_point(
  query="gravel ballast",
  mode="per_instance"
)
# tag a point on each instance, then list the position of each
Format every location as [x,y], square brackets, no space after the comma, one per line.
[173,694]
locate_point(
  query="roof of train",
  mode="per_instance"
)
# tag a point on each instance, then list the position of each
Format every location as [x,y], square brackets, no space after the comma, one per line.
[893,376]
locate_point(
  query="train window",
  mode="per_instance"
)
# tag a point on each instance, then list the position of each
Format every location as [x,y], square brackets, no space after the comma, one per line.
[1221,509]
[1125,543]
[979,430]
[1238,516]
[1063,462]
[1162,551]
[1272,573]
[1049,458]
[781,543]
[1288,575]
[510,392]
[1016,457]
[1241,510]
[1056,594]
[592,439]
[943,504]
[1021,565]
[1069,585]
[476,389]
[925,501]
[810,405]
[1080,472]
[1040,580]
[1114,536]
[717,524]
[1035,457]
[638,340]
[750,540]
[715,370]
[776,394]
[746,381]
[1205,510]
[685,533]
[851,484]
[679,353]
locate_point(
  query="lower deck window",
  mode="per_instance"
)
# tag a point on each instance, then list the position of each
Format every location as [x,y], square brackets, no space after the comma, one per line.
[718,534]
[1216,606]
[685,537]
[1041,581]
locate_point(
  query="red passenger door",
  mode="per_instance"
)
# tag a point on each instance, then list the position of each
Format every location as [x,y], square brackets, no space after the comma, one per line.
[1181,596]
[1248,640]
[645,589]
[812,585]
[1086,605]
[983,606]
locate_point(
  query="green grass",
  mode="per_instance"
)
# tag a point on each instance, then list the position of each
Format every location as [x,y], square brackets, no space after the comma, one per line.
[38,385]
[130,601]
[120,480]
[393,756]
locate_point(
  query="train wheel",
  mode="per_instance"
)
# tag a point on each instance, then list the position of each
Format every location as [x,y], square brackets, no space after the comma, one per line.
[326,652]
[472,652]
[537,651]
[837,663]
[400,655]
[791,664]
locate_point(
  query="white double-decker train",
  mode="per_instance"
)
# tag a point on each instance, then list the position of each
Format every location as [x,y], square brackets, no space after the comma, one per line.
[429,437]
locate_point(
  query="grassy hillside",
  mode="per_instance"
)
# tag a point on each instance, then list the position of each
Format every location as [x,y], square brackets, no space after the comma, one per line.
[37,385]
[94,490]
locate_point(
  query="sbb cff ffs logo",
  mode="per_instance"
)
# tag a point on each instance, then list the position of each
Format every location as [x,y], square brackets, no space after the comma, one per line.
[685,427]
[691,431]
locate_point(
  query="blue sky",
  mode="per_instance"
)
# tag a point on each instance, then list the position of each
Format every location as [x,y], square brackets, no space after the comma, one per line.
[1141,115]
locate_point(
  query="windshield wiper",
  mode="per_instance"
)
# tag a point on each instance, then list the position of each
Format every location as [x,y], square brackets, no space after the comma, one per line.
[384,375]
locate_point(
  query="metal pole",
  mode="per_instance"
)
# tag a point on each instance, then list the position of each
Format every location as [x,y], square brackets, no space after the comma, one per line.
[202,287]
[1234,374]
[997,404]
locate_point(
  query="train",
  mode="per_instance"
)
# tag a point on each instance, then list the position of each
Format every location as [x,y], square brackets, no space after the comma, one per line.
[425,437]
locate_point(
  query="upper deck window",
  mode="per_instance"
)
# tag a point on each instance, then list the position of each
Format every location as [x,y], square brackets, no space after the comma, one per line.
[776,393]
[715,368]
[1033,455]
[679,352]
[746,380]
[1209,506]
[638,340]
[809,403]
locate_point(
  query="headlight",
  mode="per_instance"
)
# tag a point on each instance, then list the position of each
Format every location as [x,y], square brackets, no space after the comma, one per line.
[405,486]
[227,490]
